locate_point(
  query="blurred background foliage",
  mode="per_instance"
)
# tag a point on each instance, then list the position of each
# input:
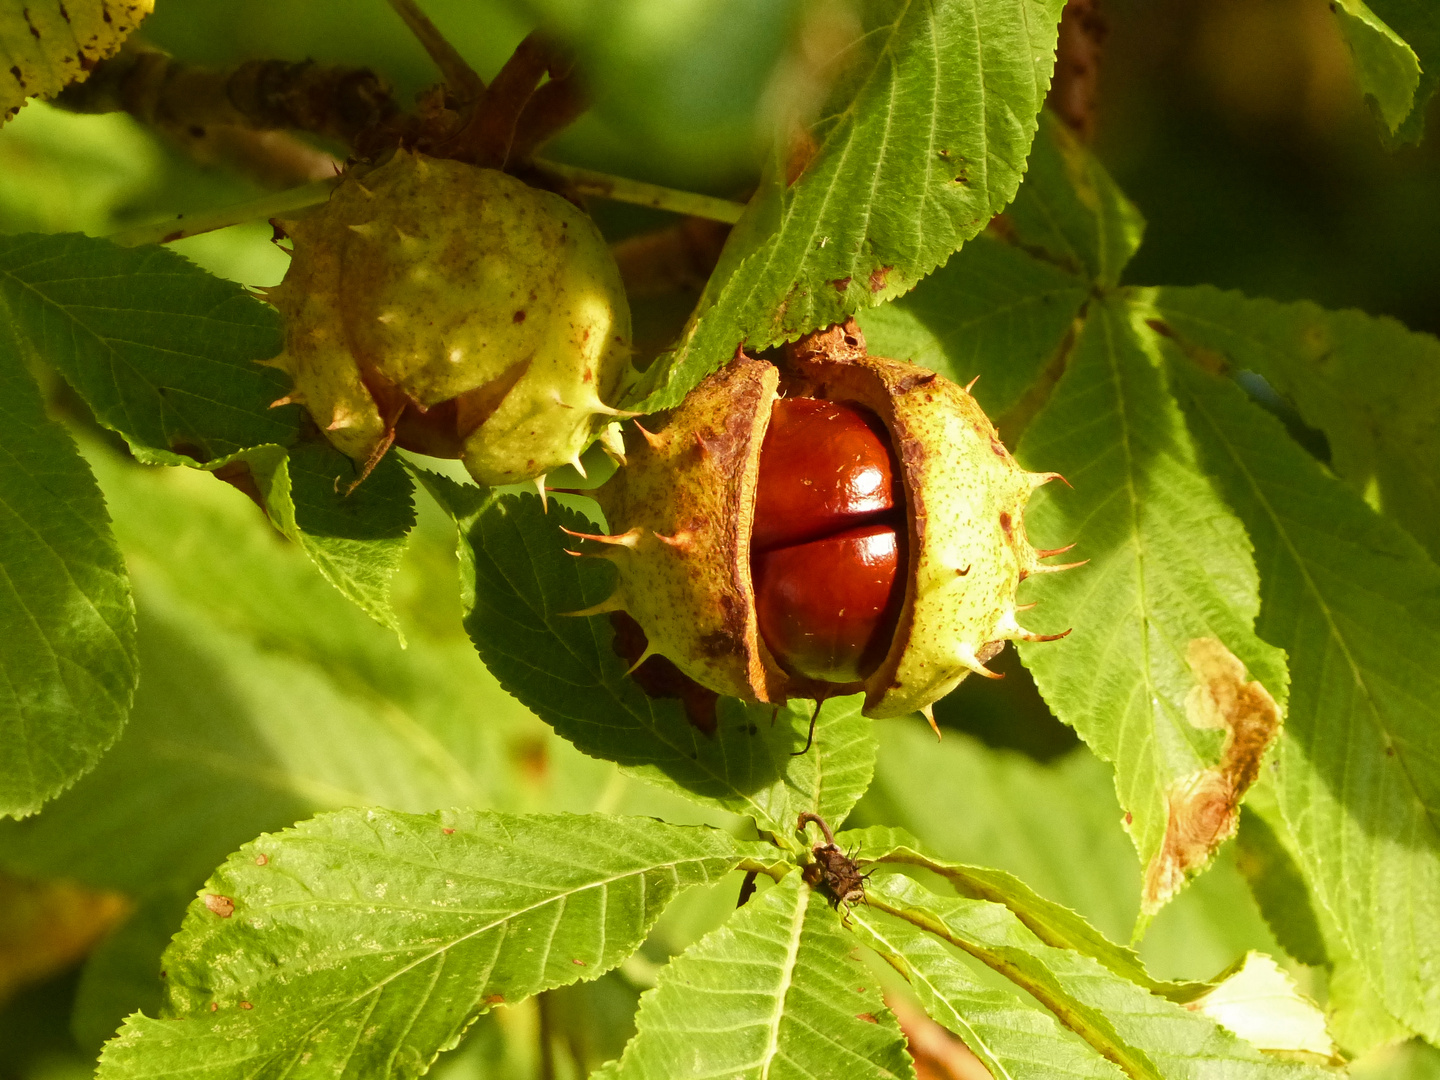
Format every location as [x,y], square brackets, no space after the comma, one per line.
[1235,126]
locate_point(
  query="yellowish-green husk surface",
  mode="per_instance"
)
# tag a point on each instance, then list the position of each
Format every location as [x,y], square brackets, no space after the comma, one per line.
[435,281]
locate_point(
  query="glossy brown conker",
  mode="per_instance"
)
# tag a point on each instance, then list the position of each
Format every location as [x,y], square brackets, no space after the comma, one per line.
[827,607]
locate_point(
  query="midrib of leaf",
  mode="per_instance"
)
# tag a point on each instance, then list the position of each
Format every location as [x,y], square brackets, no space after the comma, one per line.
[442,951]
[972,1038]
[1099,1040]
[792,953]
[1136,539]
[1372,712]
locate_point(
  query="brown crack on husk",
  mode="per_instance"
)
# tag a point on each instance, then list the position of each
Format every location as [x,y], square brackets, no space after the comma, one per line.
[1203,809]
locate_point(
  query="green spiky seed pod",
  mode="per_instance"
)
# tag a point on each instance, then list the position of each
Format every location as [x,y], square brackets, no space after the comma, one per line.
[459,311]
[681,512]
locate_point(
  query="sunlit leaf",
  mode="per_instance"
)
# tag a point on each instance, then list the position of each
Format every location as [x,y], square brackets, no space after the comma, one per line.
[771,993]
[1372,386]
[47,44]
[993,311]
[362,943]
[1385,66]
[1147,1036]
[921,142]
[1355,603]
[1015,1039]
[1169,570]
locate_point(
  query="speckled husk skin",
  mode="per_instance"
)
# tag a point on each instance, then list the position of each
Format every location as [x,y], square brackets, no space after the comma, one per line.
[682,513]
[436,281]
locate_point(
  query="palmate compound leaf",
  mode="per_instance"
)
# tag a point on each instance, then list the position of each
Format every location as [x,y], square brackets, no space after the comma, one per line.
[772,993]
[922,141]
[1148,1036]
[68,666]
[1356,605]
[47,44]
[361,943]
[1379,417]
[1152,677]
[166,355]
[518,581]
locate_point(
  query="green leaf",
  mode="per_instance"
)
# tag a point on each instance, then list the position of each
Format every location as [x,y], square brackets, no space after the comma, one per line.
[1070,212]
[771,993]
[264,697]
[1014,1038]
[993,311]
[1356,605]
[166,355]
[1147,1036]
[1169,571]
[68,666]
[1387,68]
[1057,828]
[1052,923]
[1379,418]
[362,943]
[922,141]
[1416,23]
[518,583]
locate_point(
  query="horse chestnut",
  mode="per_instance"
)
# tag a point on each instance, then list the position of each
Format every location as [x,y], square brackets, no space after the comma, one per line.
[455,311]
[861,531]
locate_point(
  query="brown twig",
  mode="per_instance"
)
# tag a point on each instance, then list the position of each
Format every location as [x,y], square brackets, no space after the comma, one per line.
[262,95]
[1075,88]
[458,75]
[488,132]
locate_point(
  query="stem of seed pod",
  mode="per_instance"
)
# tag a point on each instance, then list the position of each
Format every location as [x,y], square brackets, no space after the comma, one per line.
[266,206]
[621,189]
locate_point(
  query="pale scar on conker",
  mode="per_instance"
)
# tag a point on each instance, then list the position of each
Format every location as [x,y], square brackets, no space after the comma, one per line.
[843,523]
[454,311]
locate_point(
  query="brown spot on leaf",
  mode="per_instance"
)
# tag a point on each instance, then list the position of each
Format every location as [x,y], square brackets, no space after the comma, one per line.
[222,906]
[878,276]
[869,1018]
[841,284]
[448,832]
[246,1006]
[518,317]
[578,963]
[262,859]
[1203,809]
[495,999]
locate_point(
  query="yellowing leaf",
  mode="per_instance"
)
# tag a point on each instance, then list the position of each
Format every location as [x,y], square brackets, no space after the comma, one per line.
[45,45]
[1259,1003]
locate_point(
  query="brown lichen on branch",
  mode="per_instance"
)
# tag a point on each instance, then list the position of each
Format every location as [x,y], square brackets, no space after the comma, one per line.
[1203,809]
